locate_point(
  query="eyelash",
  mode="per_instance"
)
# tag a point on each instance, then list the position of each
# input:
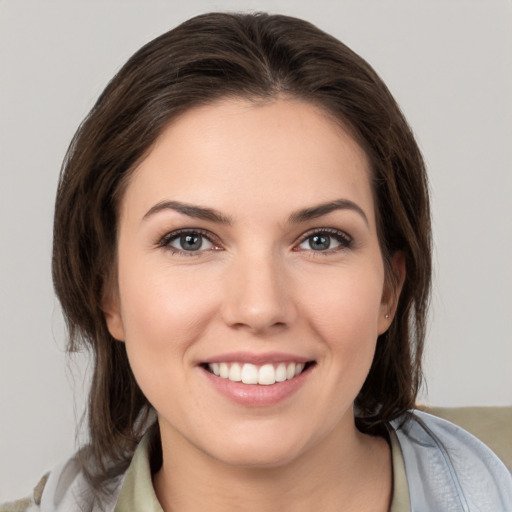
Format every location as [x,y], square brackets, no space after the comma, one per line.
[341,237]
[167,239]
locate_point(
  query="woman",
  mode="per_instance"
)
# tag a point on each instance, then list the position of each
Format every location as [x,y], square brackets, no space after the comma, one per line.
[242,237]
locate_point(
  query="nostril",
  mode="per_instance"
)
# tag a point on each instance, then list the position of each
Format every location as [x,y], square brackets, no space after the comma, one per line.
[259,325]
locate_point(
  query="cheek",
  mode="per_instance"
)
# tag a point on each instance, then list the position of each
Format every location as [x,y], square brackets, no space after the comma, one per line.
[164,311]
[346,300]
[157,295]
[345,315]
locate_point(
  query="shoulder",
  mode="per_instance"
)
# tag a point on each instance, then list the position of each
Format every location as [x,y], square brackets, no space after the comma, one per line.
[447,466]
[65,489]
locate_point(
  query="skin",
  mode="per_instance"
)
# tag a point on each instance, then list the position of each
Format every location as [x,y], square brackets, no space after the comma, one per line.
[255,285]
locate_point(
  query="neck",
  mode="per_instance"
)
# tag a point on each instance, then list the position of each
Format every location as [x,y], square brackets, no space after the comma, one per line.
[348,471]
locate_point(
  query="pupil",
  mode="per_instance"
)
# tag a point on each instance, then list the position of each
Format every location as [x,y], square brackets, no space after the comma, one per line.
[191,242]
[320,242]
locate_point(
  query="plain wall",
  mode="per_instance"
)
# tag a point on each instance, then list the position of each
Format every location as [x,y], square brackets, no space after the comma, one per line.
[447,63]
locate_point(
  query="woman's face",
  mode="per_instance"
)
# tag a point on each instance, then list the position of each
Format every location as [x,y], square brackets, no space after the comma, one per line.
[248,250]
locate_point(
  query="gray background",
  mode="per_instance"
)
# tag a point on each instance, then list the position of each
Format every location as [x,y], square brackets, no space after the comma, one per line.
[448,64]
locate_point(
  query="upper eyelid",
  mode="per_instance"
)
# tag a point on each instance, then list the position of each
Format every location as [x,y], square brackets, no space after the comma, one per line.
[171,235]
[330,231]
[345,241]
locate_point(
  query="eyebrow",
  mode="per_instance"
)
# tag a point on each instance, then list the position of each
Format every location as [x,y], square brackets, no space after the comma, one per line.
[197,212]
[325,208]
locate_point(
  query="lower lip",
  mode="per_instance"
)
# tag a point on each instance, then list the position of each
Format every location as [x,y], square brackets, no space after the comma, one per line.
[257,395]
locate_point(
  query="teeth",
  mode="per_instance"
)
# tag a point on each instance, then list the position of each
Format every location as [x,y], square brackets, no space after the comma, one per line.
[264,375]
[281,372]
[267,375]
[224,370]
[235,373]
[249,374]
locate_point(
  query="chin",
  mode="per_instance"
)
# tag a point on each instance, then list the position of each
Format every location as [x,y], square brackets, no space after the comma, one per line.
[260,459]
[260,451]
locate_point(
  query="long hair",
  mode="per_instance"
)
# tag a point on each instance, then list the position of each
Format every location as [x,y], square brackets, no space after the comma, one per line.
[213,56]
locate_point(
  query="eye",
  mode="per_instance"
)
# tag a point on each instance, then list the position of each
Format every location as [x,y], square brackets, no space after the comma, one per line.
[187,241]
[325,240]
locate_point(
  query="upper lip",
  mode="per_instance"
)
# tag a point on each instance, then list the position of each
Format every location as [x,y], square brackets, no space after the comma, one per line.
[257,359]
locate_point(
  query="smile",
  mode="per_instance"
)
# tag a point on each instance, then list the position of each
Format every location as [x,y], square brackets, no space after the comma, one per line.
[264,375]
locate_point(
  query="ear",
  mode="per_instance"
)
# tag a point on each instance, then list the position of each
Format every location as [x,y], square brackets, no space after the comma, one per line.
[391,292]
[112,311]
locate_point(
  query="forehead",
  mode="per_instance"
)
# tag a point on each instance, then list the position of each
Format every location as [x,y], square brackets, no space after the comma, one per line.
[261,151]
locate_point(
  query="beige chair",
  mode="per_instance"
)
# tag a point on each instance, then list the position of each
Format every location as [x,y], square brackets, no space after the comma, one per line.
[492,425]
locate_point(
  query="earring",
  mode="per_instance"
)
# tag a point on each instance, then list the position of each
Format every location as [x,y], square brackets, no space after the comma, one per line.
[386,316]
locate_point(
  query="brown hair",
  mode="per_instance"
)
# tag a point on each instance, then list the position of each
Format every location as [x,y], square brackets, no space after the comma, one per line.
[211,56]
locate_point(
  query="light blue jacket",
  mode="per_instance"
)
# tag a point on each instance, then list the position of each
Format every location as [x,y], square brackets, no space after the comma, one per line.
[448,469]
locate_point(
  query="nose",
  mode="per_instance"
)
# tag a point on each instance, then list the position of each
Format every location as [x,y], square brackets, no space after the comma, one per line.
[259,295]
